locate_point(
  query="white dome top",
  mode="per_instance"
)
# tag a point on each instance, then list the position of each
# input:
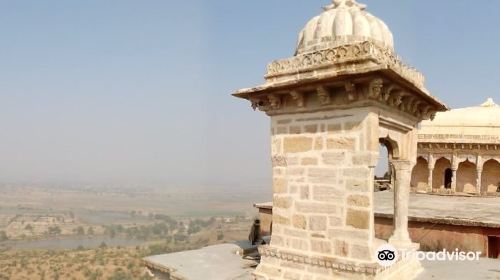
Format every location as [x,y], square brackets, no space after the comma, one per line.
[482,120]
[343,22]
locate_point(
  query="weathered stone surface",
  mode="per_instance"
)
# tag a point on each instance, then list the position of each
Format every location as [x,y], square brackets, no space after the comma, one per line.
[341,143]
[341,248]
[322,176]
[309,161]
[358,218]
[357,172]
[364,159]
[335,221]
[277,240]
[297,171]
[295,129]
[312,128]
[357,185]
[353,126]
[318,223]
[292,161]
[304,192]
[316,208]
[282,130]
[298,244]
[327,194]
[280,185]
[282,202]
[347,234]
[299,221]
[285,121]
[360,252]
[295,233]
[279,161]
[334,158]
[297,144]
[319,143]
[278,219]
[358,200]
[334,127]
[321,246]
[271,271]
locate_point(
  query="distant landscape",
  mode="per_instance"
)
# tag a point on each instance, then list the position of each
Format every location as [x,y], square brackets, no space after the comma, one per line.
[99,233]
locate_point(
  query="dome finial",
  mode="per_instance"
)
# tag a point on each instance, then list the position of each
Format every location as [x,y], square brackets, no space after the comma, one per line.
[345,3]
[489,103]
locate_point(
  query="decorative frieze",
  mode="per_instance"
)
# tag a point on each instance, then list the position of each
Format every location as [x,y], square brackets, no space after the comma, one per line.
[323,262]
[436,147]
[459,138]
[345,54]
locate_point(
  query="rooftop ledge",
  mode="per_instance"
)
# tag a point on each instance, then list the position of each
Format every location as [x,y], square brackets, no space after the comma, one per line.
[350,59]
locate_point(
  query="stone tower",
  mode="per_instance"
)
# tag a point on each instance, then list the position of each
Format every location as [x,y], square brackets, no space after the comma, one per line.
[343,93]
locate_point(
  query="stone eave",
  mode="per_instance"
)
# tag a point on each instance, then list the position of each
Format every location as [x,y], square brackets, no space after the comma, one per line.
[338,77]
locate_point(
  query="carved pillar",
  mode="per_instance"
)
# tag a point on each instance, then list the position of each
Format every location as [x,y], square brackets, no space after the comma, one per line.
[478,182]
[454,180]
[400,237]
[429,179]
[454,168]
[479,172]
[430,167]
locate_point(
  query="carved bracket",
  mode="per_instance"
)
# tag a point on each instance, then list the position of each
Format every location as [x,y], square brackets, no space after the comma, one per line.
[299,98]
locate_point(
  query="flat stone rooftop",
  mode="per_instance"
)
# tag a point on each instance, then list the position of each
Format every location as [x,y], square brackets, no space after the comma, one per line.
[455,210]
[220,262]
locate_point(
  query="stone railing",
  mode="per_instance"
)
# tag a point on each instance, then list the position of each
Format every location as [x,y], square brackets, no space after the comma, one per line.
[345,54]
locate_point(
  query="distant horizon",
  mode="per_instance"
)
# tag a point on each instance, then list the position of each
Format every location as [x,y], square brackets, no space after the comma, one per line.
[127,94]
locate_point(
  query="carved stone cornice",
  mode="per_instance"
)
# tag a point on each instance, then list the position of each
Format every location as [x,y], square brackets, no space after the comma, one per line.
[345,54]
[325,262]
[348,93]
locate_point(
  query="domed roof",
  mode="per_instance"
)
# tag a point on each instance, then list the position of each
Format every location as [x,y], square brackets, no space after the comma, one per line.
[343,22]
[482,120]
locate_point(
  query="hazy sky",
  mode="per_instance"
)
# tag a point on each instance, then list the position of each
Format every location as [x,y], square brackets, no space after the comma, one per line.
[138,92]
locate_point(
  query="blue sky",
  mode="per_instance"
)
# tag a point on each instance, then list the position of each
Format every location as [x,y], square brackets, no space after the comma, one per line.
[138,92]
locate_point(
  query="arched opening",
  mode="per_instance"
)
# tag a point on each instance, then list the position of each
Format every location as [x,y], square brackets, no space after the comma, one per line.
[384,171]
[420,175]
[439,177]
[490,178]
[448,178]
[466,177]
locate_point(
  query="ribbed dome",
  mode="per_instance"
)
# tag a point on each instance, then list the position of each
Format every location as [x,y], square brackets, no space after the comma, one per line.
[478,120]
[343,22]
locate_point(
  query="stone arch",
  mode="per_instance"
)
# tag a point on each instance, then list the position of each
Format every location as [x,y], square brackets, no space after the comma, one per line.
[392,147]
[393,152]
[420,175]
[438,175]
[466,177]
[490,178]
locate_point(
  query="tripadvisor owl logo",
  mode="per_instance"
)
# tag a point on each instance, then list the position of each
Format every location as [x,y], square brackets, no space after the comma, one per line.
[386,255]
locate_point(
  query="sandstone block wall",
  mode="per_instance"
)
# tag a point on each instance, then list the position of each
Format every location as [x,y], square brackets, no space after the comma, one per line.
[323,183]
